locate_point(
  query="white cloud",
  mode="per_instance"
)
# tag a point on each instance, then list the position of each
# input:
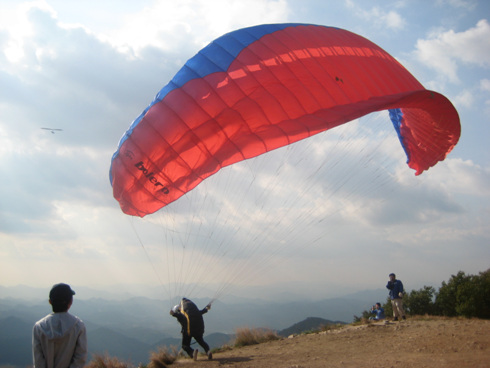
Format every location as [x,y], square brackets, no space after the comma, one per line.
[14,20]
[169,26]
[445,51]
[394,20]
[380,18]
[485,84]
[468,178]
[465,99]
[191,24]
[469,97]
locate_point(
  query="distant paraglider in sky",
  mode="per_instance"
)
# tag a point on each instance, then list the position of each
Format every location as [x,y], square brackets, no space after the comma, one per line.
[257,93]
[53,130]
[260,88]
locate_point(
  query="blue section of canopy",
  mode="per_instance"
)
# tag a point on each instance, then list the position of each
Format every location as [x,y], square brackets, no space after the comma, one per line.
[218,55]
[396,116]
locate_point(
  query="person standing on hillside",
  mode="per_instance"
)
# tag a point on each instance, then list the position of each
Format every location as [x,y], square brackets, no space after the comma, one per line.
[59,340]
[396,295]
[190,318]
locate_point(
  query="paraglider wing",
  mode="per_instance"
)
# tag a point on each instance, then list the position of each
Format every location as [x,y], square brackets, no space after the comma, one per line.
[260,88]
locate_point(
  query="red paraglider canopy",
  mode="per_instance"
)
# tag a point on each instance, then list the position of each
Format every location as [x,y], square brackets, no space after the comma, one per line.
[260,88]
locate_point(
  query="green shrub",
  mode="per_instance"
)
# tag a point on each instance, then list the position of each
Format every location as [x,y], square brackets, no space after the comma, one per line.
[420,302]
[446,299]
[465,295]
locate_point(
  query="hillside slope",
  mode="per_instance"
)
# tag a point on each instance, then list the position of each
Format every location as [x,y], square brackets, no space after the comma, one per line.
[431,342]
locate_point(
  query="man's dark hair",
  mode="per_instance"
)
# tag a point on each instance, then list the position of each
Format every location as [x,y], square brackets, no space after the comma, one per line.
[60,296]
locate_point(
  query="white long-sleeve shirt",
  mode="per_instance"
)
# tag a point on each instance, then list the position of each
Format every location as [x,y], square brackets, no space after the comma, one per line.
[59,340]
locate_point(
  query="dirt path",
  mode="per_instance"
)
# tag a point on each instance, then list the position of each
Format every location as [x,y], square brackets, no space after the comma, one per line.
[434,342]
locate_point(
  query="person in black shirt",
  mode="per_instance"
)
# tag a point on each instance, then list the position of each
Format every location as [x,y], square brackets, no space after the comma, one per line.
[190,318]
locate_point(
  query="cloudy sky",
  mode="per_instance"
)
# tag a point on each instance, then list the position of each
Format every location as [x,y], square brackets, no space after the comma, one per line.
[333,216]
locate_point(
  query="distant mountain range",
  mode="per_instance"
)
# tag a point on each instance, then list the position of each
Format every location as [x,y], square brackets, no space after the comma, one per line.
[131,329]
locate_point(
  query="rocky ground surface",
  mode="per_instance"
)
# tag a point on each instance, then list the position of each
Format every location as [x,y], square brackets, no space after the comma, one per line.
[415,342]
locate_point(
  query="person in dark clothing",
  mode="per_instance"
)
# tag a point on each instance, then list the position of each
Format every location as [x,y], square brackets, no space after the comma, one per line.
[190,318]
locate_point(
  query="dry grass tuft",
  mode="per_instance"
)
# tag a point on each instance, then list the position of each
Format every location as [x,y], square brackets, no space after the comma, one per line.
[246,336]
[222,348]
[106,361]
[360,321]
[330,327]
[163,357]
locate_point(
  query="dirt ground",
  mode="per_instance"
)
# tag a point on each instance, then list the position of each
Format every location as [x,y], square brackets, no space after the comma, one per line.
[422,342]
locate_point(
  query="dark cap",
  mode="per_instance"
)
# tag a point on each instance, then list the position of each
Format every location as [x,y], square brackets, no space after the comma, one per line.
[61,293]
[392,274]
